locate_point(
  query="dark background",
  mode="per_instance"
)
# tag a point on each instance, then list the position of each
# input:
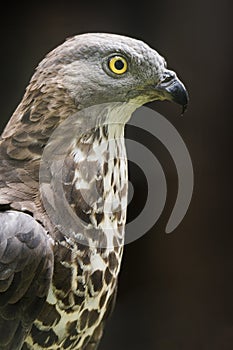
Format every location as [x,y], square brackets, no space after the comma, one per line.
[175,290]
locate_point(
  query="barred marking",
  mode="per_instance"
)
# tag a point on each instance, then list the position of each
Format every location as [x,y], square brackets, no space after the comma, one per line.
[85,278]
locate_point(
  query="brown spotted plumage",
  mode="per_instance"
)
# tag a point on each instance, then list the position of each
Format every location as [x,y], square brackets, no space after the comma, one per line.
[58,274]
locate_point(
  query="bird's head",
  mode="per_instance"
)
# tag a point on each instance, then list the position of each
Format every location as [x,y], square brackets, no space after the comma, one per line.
[103,68]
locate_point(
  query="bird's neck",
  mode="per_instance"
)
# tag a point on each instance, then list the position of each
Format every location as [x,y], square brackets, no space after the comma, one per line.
[87,167]
[41,121]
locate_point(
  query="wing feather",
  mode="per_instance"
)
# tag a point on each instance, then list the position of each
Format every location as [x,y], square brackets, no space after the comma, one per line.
[26,267]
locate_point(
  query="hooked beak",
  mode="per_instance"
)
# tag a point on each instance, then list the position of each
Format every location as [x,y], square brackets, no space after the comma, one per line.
[172,89]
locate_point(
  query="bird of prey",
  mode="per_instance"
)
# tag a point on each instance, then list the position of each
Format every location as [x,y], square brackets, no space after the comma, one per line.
[58,287]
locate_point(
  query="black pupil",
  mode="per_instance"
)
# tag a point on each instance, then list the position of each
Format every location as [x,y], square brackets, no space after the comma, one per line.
[119,65]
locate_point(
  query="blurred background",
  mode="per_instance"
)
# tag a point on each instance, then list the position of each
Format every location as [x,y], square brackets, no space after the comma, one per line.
[175,290]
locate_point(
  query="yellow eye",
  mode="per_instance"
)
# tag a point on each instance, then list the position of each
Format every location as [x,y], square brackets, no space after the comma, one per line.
[118,64]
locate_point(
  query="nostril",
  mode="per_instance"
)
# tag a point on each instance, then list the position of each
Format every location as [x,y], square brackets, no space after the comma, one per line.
[167,79]
[168,76]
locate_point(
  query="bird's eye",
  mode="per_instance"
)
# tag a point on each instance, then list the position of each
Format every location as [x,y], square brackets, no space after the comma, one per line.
[118,64]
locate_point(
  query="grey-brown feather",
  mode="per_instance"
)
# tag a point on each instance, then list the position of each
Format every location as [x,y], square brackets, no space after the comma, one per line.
[70,78]
[21,146]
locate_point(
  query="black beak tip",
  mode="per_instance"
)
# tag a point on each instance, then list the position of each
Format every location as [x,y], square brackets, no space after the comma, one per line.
[184,109]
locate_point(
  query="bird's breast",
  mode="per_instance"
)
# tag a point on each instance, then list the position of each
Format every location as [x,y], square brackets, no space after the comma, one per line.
[95,181]
[85,275]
